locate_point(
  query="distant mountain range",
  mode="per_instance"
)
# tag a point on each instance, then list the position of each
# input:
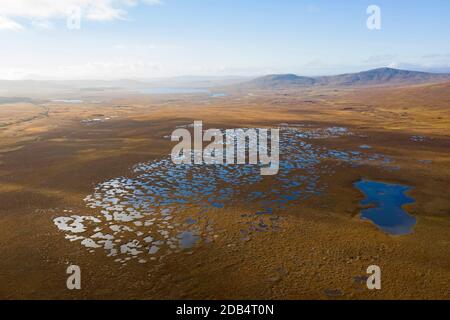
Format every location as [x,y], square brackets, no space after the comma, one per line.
[381,76]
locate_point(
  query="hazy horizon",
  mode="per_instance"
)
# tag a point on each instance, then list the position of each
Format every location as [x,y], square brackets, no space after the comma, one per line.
[186,78]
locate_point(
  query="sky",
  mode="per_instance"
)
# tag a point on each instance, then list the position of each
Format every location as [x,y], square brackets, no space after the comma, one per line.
[140,39]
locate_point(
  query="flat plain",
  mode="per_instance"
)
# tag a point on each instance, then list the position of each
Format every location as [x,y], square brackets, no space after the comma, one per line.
[55,154]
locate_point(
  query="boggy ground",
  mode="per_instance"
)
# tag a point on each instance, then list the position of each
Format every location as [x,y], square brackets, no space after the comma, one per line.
[51,158]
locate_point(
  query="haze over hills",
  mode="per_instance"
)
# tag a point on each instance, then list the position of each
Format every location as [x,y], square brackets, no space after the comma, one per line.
[375,77]
[381,76]
[20,88]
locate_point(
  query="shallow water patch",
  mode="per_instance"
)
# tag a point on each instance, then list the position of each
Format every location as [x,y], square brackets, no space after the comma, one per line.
[70,101]
[172,90]
[384,203]
[218,95]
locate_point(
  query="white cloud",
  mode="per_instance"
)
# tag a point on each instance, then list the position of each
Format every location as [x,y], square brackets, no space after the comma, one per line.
[393,65]
[8,24]
[153,2]
[103,12]
[44,10]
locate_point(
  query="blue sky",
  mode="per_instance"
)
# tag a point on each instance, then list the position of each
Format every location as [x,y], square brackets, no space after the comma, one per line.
[151,38]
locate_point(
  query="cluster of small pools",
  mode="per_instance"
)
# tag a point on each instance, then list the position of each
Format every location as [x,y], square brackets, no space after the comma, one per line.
[163,208]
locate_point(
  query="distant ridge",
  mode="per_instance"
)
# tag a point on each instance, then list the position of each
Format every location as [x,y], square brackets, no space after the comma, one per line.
[380,76]
[282,80]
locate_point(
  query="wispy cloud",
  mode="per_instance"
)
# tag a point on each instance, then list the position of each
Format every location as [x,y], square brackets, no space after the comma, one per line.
[8,24]
[45,10]
[109,69]
[147,46]
[436,56]
[42,24]
[380,58]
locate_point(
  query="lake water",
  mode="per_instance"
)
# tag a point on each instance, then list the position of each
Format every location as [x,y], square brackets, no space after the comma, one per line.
[169,90]
[68,100]
[384,202]
[6,100]
[218,95]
